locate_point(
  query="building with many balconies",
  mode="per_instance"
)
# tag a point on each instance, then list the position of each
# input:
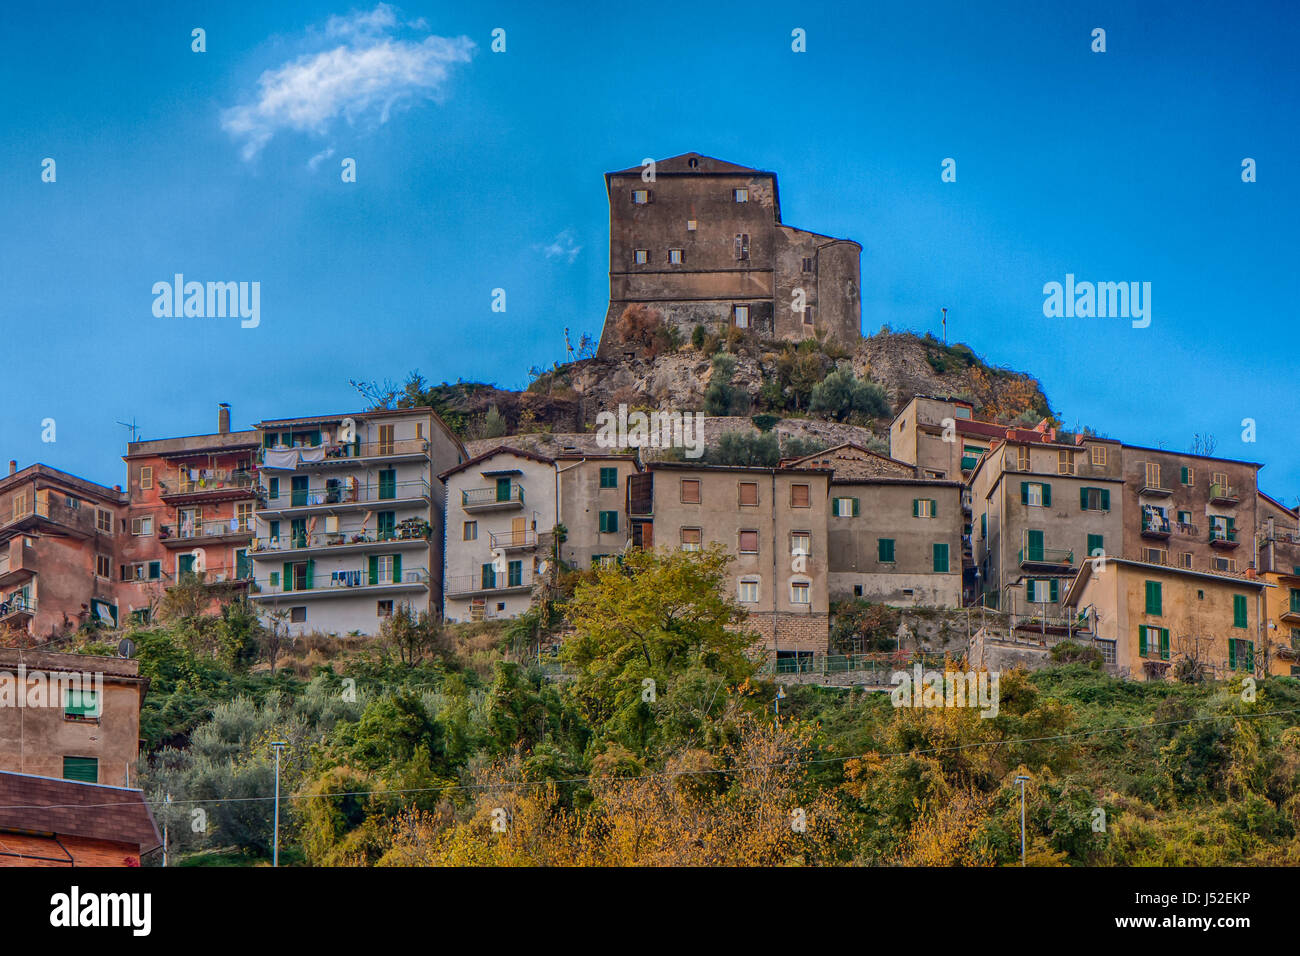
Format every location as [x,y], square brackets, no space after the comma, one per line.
[349,522]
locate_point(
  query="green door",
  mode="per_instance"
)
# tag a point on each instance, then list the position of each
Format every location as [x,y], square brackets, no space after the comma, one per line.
[299,491]
[503,489]
[298,532]
[243,566]
[515,572]
[184,564]
[387,525]
[388,483]
[1033,545]
[489,579]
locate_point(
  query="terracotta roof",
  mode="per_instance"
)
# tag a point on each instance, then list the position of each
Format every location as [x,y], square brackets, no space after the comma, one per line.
[70,808]
[681,164]
[499,450]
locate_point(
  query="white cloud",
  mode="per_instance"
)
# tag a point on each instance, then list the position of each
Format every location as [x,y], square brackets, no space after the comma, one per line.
[561,247]
[319,158]
[371,73]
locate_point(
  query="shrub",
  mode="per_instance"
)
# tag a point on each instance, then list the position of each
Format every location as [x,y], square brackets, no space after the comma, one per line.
[842,393]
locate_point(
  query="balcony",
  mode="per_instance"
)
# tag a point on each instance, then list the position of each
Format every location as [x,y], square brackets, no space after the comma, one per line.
[17,563]
[475,585]
[342,542]
[1223,538]
[1155,527]
[222,486]
[1221,494]
[349,496]
[1046,559]
[512,540]
[204,532]
[351,583]
[1186,528]
[968,462]
[1158,490]
[324,456]
[16,610]
[1291,615]
[501,498]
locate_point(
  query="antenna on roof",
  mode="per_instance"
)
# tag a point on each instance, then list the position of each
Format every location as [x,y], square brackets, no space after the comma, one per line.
[134,429]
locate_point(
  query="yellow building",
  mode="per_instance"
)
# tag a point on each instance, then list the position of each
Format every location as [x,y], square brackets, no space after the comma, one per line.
[1282,604]
[1156,621]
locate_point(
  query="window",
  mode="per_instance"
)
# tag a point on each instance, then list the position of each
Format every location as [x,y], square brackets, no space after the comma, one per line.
[740,316]
[674,257]
[387,434]
[748,591]
[844,507]
[807,315]
[244,517]
[885,550]
[515,574]
[801,543]
[1184,518]
[1153,642]
[1036,494]
[1099,459]
[800,496]
[1225,564]
[690,225]
[20,505]
[1096,545]
[640,197]
[104,521]
[1064,462]
[84,769]
[1153,474]
[923,507]
[807,264]
[297,615]
[800,592]
[1239,610]
[1155,555]
[1153,598]
[941,558]
[382,568]
[742,246]
[469,531]
[383,609]
[1185,559]
[641,256]
[1022,458]
[1294,598]
[1186,475]
[984,525]
[748,494]
[103,566]
[692,539]
[609,477]
[81,705]
[1241,654]
[740,195]
[143,526]
[1219,478]
[608,522]
[1042,590]
[749,542]
[1094,499]
[690,489]
[273,488]
[146,476]
[1222,528]
[857,590]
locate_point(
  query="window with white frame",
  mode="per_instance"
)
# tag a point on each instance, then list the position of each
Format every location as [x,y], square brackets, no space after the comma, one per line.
[142,526]
[801,543]
[740,195]
[641,256]
[674,257]
[748,591]
[800,592]
[740,315]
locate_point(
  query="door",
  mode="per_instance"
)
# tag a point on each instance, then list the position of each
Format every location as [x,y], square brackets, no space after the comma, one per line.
[388,483]
[503,489]
[298,532]
[387,525]
[385,439]
[1033,545]
[518,531]
[299,491]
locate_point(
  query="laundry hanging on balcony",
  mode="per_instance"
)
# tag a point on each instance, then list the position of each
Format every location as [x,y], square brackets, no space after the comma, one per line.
[286,458]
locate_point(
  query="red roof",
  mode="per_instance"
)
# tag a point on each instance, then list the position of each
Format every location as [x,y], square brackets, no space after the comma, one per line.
[69,808]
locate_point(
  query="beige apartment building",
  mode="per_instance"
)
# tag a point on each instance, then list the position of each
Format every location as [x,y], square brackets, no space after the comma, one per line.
[1153,620]
[1277,536]
[500,519]
[772,520]
[81,718]
[943,439]
[1040,511]
[592,506]
[1189,511]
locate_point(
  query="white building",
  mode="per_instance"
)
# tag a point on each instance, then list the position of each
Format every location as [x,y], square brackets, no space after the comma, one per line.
[350,523]
[500,518]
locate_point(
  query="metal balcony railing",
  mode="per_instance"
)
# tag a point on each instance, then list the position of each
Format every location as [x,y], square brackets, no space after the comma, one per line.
[1047,556]
[462,584]
[1223,535]
[183,484]
[513,494]
[209,529]
[348,451]
[348,493]
[512,539]
[336,582]
[295,542]
[16,605]
[1224,494]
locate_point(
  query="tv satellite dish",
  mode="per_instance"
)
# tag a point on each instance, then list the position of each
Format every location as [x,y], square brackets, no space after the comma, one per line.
[125,647]
[541,567]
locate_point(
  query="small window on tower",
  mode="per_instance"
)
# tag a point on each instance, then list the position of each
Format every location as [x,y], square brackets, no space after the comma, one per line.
[740,195]
[807,264]
[675,257]
[690,225]
[642,256]
[740,314]
[640,197]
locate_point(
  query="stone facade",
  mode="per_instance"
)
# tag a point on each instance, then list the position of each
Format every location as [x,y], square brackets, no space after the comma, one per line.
[703,244]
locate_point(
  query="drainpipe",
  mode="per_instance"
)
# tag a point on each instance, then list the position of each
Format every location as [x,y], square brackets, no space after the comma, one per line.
[774,567]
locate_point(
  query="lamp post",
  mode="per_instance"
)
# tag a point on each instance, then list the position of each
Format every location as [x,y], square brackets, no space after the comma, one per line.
[278,745]
[1020,779]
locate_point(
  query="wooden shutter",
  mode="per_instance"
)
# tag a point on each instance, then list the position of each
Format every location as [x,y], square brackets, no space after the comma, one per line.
[1238,610]
[1047,495]
[1142,643]
[1153,597]
[397,569]
[373,569]
[1024,492]
[1164,643]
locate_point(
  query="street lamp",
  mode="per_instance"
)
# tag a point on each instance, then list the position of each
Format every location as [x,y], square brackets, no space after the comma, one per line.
[278,745]
[1020,779]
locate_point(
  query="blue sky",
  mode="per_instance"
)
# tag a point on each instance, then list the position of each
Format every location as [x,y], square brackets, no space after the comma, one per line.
[479,170]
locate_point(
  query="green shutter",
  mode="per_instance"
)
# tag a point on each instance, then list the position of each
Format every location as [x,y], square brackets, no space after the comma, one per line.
[885,549]
[835,507]
[1232,652]
[288,576]
[1083,499]
[84,769]
[941,558]
[311,568]
[388,483]
[916,507]
[609,477]
[1153,603]
[1095,544]
[1054,591]
[515,573]
[984,525]
[855,507]
[374,569]
[1295,599]
[1142,642]
[1024,492]
[1105,499]
[1250,655]
[1034,545]
[1164,643]
[397,569]
[1183,475]
[275,579]
[487,576]
[1238,610]
[81,703]
[274,488]
[934,508]
[155,570]
[1047,495]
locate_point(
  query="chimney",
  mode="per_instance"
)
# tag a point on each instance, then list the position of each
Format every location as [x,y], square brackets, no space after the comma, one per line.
[13,467]
[223,419]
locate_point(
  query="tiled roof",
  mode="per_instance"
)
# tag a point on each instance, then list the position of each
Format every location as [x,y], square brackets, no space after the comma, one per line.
[69,808]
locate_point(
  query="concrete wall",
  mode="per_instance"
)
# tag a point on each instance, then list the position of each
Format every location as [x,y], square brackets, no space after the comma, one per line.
[582,499]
